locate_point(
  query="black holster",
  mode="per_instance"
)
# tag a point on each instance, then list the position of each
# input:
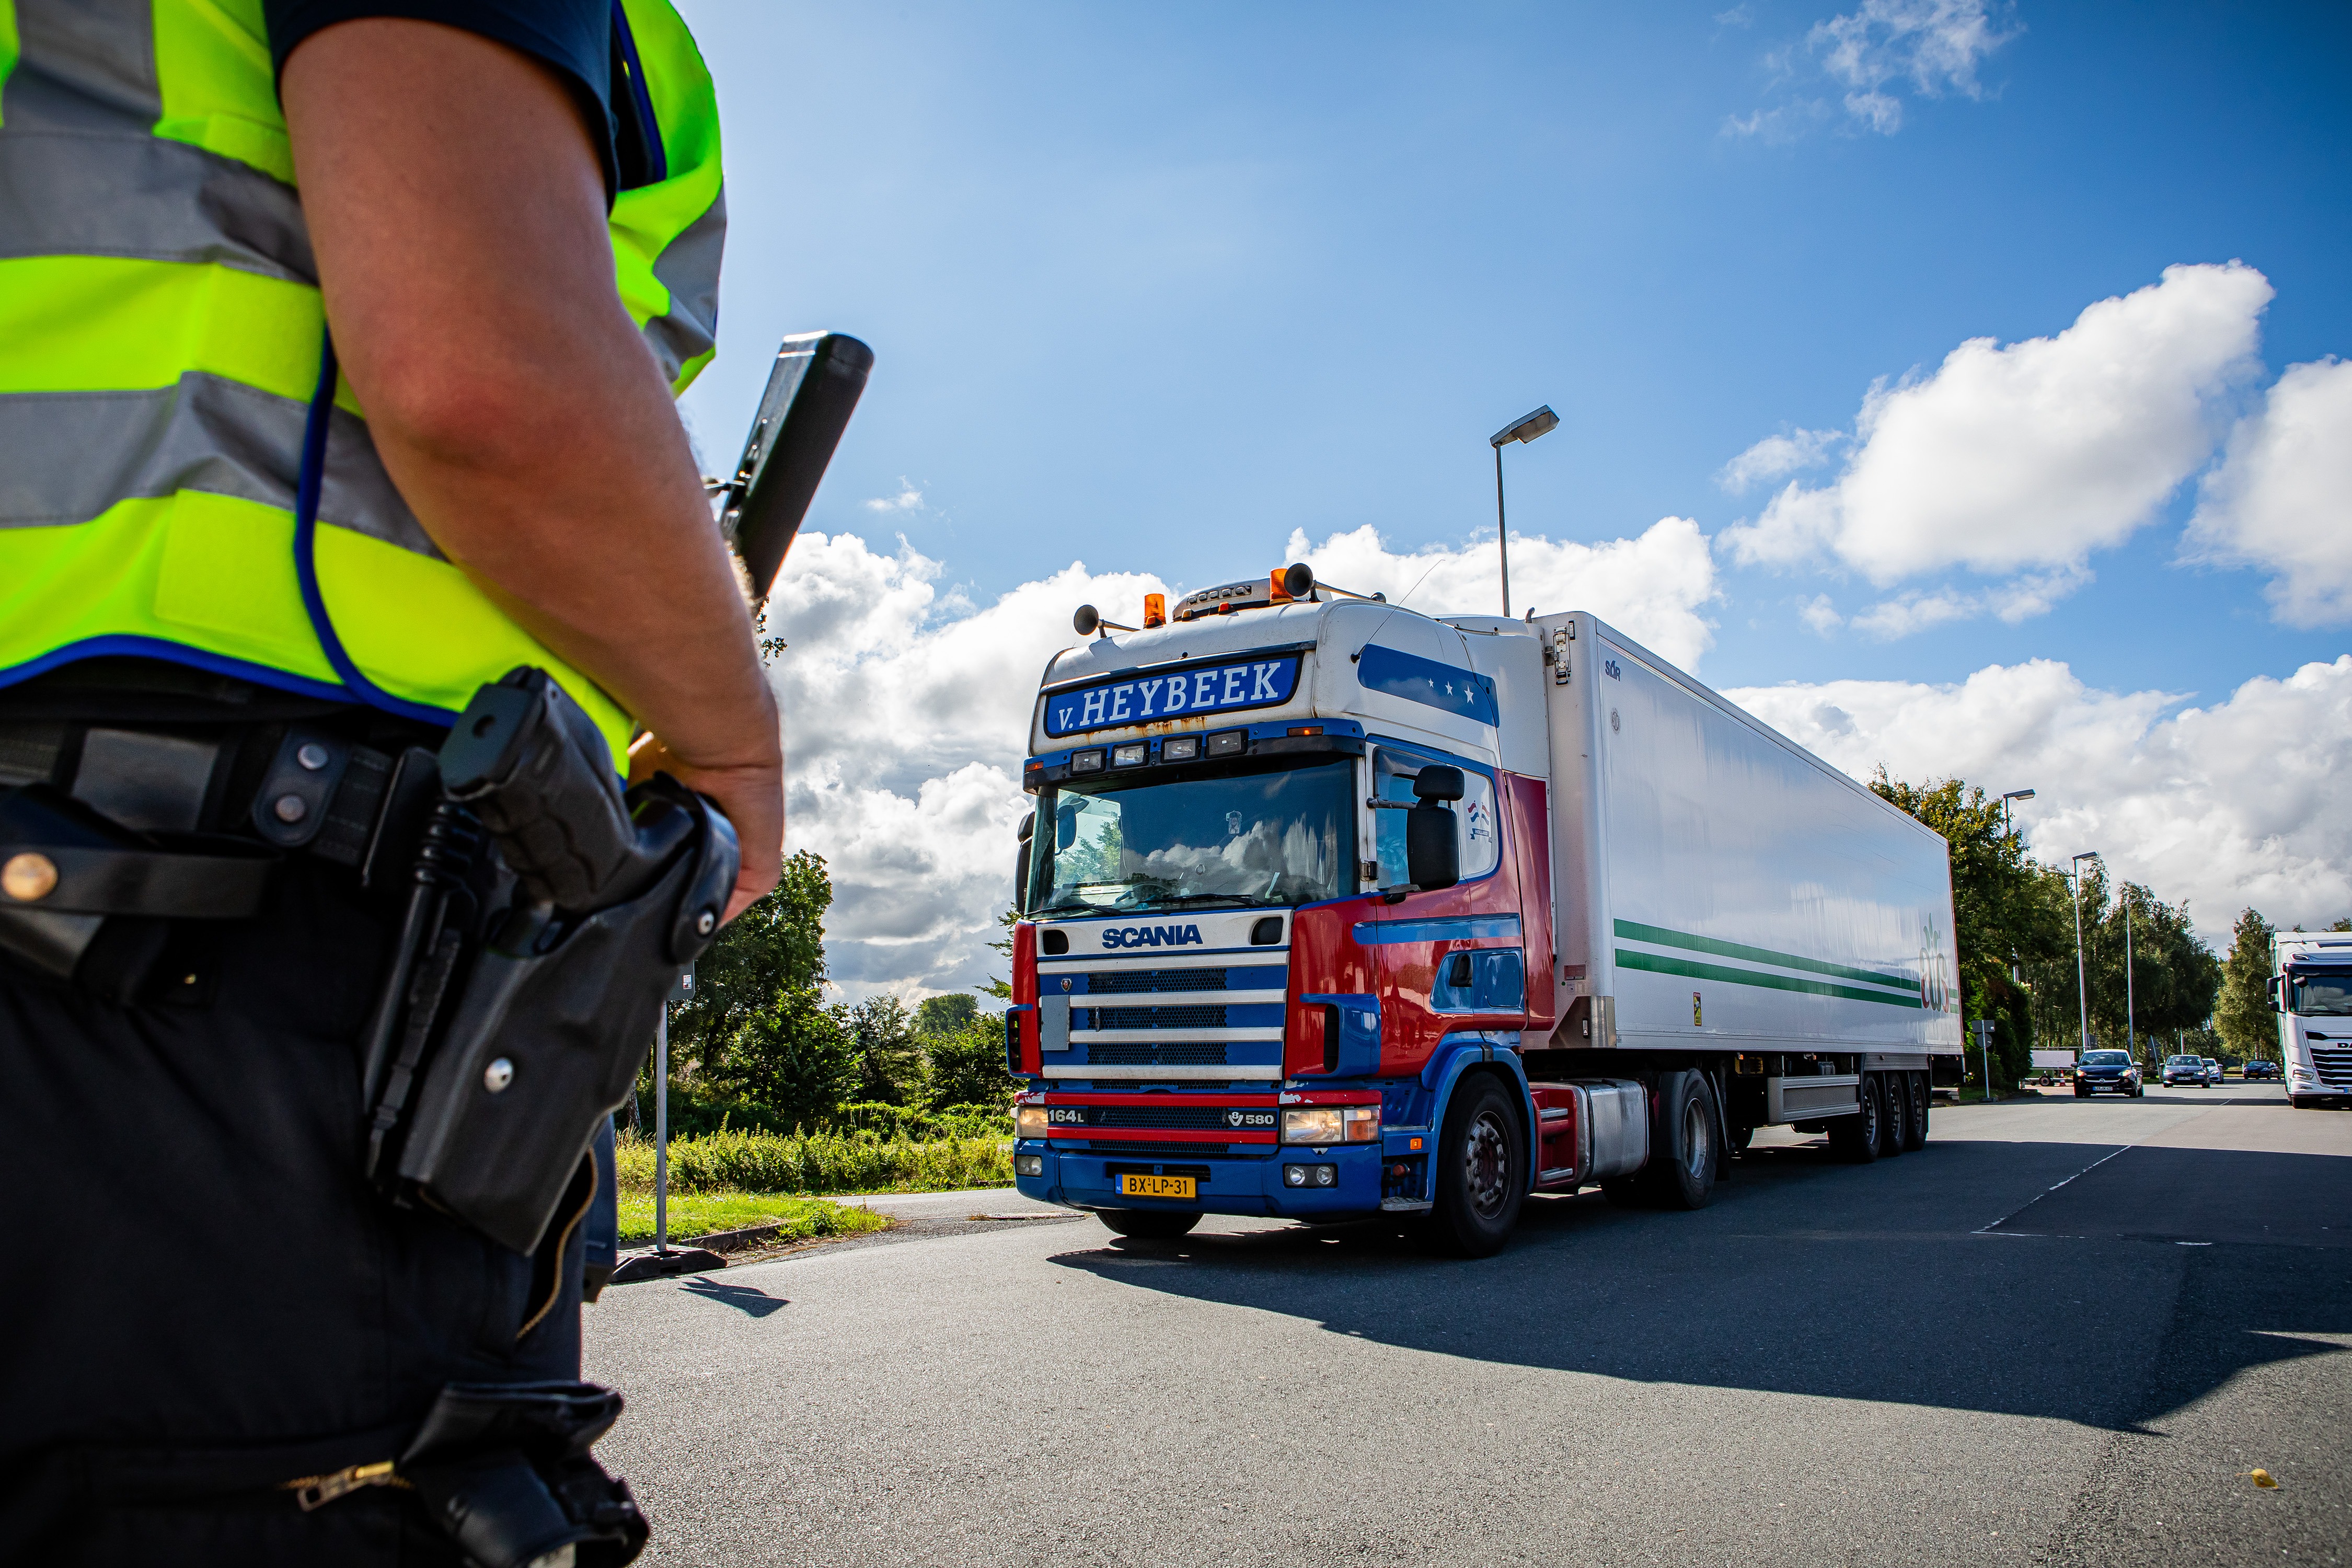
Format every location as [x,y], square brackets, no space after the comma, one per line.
[505,1470]
[502,1040]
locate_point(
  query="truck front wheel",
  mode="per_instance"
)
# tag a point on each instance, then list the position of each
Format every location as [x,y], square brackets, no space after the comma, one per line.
[1481,1171]
[1149,1225]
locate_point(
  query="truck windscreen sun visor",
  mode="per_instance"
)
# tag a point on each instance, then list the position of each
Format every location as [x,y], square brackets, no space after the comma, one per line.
[1426,681]
[1225,688]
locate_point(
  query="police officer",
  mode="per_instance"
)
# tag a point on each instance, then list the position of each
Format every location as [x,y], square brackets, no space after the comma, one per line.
[223,528]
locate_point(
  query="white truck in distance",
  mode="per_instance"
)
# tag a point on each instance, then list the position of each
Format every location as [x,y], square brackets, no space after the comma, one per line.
[1334,909]
[2311,987]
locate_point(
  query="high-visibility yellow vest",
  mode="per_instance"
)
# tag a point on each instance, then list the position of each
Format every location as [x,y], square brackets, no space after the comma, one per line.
[161,342]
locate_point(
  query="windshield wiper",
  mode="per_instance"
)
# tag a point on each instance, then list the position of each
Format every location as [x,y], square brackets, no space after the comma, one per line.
[1242,899]
[1068,906]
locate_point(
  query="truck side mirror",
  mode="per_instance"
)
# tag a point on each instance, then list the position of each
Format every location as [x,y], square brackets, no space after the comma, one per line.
[1432,849]
[2274,989]
[1021,864]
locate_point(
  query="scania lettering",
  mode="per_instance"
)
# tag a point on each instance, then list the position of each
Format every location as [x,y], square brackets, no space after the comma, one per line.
[1331,910]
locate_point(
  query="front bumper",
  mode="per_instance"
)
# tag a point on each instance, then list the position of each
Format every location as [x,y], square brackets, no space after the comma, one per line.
[1088,1178]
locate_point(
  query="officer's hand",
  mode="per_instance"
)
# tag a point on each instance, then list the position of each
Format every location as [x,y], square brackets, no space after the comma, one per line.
[752,797]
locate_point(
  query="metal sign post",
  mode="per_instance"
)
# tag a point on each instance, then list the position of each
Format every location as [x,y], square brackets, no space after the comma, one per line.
[1982,1028]
[682,992]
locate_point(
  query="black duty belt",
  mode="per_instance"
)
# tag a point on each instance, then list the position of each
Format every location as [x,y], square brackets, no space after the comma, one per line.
[101,821]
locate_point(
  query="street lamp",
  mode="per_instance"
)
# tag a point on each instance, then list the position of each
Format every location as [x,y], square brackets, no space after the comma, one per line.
[2082,984]
[2006,825]
[1526,427]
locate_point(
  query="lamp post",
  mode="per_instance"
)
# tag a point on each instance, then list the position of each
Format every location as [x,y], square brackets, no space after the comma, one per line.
[2082,984]
[2009,831]
[1525,429]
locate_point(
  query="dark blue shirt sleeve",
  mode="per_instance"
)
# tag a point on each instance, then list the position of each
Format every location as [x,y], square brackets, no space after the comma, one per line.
[573,38]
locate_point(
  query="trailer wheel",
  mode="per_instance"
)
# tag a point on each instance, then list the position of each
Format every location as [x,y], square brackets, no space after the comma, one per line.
[1481,1171]
[1148,1225]
[1856,1138]
[1896,1129]
[1915,1085]
[1682,1175]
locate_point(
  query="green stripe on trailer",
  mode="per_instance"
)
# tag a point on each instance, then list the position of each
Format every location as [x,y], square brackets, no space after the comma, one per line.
[1659,963]
[1636,932]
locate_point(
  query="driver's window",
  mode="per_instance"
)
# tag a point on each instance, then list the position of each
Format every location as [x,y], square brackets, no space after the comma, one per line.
[1473,817]
[1088,848]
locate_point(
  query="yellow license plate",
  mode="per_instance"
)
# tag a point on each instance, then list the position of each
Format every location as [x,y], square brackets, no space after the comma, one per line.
[1135,1186]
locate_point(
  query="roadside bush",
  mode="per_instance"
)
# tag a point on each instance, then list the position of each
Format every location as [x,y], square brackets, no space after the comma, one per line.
[816,1163]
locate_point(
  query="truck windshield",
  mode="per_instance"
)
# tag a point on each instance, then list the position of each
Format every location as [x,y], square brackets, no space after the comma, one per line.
[1267,836]
[2323,993]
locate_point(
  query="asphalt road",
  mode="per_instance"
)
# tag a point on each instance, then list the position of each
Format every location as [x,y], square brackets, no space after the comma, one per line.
[2062,1333]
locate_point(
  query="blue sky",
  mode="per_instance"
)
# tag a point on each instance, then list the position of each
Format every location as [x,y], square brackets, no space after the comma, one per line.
[1153,287]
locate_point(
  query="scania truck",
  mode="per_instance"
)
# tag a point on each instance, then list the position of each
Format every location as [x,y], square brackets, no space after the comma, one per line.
[1334,910]
[2311,987]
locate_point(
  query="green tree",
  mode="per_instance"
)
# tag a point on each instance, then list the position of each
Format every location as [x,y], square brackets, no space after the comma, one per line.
[2248,1027]
[967,1066]
[757,1029]
[886,1060]
[945,1015]
[2002,913]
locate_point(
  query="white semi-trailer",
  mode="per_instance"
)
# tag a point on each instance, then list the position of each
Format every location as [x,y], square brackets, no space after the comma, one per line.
[2311,987]
[1336,909]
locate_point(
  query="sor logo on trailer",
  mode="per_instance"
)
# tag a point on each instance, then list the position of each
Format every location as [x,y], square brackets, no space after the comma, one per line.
[1152,936]
[1609,668]
[1249,1118]
[1937,992]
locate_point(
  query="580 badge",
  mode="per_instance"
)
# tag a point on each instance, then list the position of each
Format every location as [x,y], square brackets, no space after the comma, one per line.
[1257,1119]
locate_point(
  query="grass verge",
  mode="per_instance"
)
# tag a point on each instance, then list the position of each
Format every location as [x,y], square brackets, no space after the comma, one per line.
[700,1214]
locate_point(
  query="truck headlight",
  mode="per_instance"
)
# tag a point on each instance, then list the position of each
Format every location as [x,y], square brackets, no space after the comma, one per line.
[1331,1124]
[1028,1164]
[1030,1122]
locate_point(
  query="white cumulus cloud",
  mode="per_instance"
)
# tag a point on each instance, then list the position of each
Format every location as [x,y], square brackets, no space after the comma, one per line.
[2242,802]
[2031,455]
[1777,456]
[2281,498]
[1652,587]
[906,709]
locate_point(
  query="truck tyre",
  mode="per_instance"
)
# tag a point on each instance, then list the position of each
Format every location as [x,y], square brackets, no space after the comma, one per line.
[1896,1129]
[1681,1172]
[1855,1139]
[1915,1085]
[1149,1225]
[1481,1171]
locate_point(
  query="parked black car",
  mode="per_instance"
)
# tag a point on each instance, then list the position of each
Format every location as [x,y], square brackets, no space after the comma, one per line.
[2261,1069]
[2106,1072]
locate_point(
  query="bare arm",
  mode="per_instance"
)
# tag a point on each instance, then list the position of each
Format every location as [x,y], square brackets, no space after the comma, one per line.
[456,207]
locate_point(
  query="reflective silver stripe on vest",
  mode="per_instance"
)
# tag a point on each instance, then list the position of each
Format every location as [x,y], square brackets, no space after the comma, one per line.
[82,172]
[83,65]
[204,433]
[139,196]
[689,267]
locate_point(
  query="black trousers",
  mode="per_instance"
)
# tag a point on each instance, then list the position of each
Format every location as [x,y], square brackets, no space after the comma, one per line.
[204,1299]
